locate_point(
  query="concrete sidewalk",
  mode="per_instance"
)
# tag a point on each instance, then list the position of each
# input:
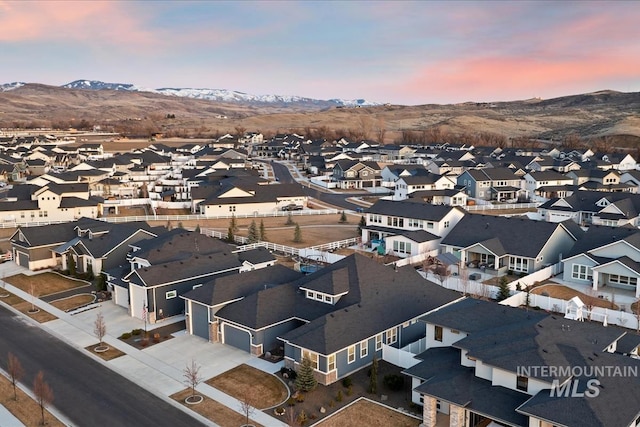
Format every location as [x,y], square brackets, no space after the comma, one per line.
[160,367]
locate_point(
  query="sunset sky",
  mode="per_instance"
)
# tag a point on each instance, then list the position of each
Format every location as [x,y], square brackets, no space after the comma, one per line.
[399,52]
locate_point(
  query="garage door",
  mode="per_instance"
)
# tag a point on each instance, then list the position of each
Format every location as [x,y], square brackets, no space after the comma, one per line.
[23,259]
[237,338]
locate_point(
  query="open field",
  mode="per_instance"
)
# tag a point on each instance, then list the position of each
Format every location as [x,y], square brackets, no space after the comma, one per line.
[366,413]
[261,389]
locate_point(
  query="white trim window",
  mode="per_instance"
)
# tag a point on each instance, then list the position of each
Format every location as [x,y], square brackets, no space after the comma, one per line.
[364,348]
[581,272]
[171,294]
[351,354]
[401,247]
[313,357]
[392,335]
[623,280]
[331,362]
[517,263]
[378,342]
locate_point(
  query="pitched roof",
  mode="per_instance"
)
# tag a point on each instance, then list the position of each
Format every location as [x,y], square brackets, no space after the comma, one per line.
[410,209]
[517,236]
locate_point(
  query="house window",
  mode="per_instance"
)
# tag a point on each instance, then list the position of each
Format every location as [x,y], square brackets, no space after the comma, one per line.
[438,333]
[517,263]
[446,224]
[581,272]
[392,335]
[429,226]
[522,383]
[232,208]
[377,219]
[415,223]
[401,247]
[313,357]
[455,331]
[311,294]
[393,221]
[364,348]
[331,362]
[327,298]
[171,294]
[351,354]
[378,342]
[623,280]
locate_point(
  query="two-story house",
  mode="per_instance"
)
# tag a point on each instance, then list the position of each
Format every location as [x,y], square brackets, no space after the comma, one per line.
[352,174]
[547,184]
[499,184]
[593,207]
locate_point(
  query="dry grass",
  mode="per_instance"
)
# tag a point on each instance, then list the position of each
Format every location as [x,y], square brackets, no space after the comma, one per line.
[110,354]
[25,409]
[73,302]
[566,293]
[24,307]
[212,410]
[45,283]
[262,389]
[367,413]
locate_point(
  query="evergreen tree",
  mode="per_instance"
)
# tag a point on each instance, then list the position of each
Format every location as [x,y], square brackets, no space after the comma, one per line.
[233,223]
[343,217]
[373,378]
[230,234]
[289,219]
[361,224]
[72,265]
[197,229]
[297,234]
[503,290]
[263,233]
[305,380]
[252,236]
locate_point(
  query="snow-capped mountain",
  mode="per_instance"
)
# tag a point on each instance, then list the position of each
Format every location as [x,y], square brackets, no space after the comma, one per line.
[222,95]
[10,86]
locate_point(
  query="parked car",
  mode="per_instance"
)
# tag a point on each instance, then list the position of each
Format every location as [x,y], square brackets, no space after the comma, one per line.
[292,207]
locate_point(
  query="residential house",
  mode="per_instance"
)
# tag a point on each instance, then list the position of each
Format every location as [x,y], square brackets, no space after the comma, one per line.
[352,174]
[332,316]
[501,244]
[606,258]
[490,364]
[407,228]
[421,180]
[547,184]
[499,184]
[447,197]
[593,207]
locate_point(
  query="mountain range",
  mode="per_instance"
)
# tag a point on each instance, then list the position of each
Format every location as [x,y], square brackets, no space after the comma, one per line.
[220,95]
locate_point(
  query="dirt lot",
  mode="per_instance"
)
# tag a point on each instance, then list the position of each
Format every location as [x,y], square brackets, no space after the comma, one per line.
[566,293]
[367,413]
[264,390]
[44,283]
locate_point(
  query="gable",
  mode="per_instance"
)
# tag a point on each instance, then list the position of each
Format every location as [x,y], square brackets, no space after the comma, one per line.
[235,192]
[561,203]
[618,249]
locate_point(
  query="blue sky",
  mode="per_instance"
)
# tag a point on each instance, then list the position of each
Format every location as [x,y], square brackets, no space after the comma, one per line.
[400,52]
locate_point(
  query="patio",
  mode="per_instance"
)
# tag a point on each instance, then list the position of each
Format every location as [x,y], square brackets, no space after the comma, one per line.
[621,297]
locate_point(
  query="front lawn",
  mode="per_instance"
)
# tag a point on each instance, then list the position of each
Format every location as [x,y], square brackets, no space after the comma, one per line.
[263,390]
[71,303]
[45,283]
[214,411]
[364,412]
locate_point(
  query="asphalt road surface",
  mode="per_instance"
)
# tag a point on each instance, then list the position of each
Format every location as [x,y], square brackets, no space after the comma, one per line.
[337,199]
[86,392]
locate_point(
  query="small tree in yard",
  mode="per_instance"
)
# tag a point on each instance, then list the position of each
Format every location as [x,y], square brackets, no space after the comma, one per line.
[361,224]
[373,378]
[72,265]
[503,289]
[262,233]
[230,234]
[99,328]
[192,376]
[305,380]
[34,294]
[233,224]
[343,217]
[289,220]
[297,234]
[252,236]
[15,371]
[246,405]
[42,392]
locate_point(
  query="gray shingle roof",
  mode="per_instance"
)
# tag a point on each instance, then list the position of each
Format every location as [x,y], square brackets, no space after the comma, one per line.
[412,209]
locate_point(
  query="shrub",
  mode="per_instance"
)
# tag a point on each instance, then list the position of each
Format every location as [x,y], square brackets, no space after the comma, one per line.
[346,382]
[349,390]
[291,401]
[136,332]
[125,336]
[339,396]
[302,418]
[331,404]
[300,398]
[393,382]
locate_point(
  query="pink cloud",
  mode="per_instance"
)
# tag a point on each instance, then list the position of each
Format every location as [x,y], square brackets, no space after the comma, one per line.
[71,21]
[506,78]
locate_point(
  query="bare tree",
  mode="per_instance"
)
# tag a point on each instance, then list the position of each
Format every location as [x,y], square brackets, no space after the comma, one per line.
[15,370]
[192,376]
[34,295]
[246,405]
[100,327]
[42,392]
